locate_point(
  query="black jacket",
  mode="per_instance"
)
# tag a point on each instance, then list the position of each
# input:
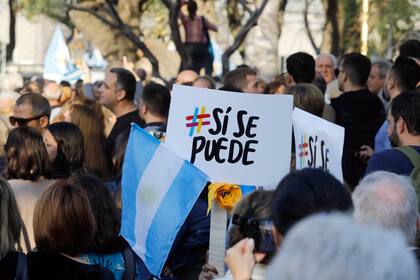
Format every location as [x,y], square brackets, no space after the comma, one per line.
[361,113]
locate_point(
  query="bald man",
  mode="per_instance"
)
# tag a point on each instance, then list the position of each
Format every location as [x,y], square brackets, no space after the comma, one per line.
[186,77]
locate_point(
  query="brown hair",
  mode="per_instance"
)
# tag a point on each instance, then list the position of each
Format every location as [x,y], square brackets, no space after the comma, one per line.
[63,220]
[257,205]
[237,78]
[26,155]
[10,220]
[92,129]
[308,98]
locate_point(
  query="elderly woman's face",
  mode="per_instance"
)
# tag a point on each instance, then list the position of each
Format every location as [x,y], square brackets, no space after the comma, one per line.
[50,144]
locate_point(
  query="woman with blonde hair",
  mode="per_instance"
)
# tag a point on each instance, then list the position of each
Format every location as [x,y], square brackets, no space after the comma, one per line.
[92,128]
[308,98]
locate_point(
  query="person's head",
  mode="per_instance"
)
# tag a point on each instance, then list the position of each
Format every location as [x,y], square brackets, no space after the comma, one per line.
[154,103]
[411,48]
[51,91]
[276,87]
[104,210]
[204,82]
[92,127]
[326,65]
[387,199]
[319,82]
[63,220]
[308,98]
[186,77]
[403,75]
[26,156]
[377,75]
[333,246]
[192,8]
[119,86]
[257,205]
[301,68]
[33,110]
[66,139]
[10,220]
[354,71]
[404,119]
[243,78]
[303,193]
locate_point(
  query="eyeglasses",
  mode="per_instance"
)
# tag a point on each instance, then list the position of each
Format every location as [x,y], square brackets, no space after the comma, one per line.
[22,121]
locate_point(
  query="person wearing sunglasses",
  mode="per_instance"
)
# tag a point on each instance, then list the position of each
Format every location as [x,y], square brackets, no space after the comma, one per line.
[31,110]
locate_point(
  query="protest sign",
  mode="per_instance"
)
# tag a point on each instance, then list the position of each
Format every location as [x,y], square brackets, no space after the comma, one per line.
[233,137]
[318,143]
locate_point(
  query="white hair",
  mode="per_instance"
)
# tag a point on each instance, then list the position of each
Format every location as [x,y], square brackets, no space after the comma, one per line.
[330,56]
[333,246]
[389,200]
[383,66]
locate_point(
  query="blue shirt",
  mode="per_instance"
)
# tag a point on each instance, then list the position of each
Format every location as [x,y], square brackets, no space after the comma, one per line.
[391,160]
[381,139]
[113,262]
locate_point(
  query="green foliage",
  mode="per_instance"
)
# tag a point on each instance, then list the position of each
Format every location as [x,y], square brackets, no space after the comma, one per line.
[55,9]
[399,15]
[351,25]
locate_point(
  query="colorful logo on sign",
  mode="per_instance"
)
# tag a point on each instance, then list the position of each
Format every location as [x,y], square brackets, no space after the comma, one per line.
[303,149]
[196,121]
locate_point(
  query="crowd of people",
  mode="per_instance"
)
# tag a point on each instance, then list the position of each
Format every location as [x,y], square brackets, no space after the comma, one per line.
[62,164]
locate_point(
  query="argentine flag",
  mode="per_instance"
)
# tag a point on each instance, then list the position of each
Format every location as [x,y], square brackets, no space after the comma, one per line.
[159,189]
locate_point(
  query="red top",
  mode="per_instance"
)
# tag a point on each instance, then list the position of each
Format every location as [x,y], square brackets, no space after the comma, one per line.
[194,32]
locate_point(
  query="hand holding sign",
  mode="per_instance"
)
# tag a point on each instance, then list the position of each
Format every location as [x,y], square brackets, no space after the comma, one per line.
[222,198]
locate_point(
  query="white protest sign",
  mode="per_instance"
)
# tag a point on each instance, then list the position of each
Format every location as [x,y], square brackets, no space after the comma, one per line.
[318,143]
[233,137]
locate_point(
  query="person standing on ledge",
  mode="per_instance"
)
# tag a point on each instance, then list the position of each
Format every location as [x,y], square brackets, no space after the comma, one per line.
[197,40]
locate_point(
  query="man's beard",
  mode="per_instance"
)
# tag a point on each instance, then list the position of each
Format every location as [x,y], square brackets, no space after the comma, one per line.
[393,138]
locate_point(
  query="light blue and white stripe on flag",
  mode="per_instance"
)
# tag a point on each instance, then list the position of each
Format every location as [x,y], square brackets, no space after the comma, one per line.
[159,189]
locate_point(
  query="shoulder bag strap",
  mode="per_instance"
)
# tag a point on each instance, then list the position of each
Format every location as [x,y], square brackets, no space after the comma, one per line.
[129,266]
[412,155]
[26,238]
[21,267]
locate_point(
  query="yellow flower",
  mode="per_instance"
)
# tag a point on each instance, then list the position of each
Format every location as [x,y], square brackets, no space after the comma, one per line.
[226,195]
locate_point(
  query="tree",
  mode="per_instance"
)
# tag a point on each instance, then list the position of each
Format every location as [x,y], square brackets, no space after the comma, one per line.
[12,31]
[253,15]
[107,13]
[174,8]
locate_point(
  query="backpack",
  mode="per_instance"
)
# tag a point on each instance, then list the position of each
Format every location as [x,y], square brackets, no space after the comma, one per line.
[414,158]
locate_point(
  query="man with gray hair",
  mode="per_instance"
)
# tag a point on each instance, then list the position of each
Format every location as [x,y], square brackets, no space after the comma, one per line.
[376,80]
[326,65]
[387,199]
[342,250]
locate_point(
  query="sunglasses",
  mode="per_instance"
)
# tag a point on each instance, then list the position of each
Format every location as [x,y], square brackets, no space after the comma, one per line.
[22,121]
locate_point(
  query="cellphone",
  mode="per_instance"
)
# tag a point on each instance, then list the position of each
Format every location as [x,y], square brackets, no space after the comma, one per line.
[261,231]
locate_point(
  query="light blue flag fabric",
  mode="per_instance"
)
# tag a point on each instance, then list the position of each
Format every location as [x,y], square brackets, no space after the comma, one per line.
[159,189]
[57,60]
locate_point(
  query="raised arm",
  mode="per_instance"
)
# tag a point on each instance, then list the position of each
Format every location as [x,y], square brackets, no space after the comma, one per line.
[209,25]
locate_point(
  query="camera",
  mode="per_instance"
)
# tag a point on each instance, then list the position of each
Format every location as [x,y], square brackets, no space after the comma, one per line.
[258,229]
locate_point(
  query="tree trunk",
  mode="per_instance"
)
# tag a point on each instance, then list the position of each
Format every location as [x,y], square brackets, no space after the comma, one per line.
[261,45]
[331,33]
[308,27]
[242,34]
[12,31]
[174,10]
